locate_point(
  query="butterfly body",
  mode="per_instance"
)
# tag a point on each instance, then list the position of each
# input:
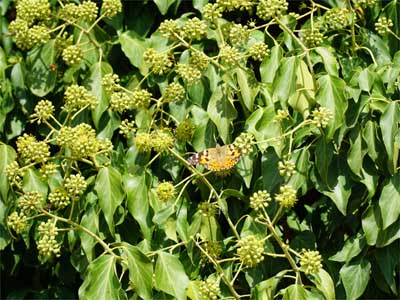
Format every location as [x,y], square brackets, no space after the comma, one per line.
[217,159]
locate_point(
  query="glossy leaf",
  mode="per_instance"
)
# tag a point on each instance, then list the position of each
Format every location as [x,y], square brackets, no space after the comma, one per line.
[140,271]
[134,46]
[340,194]
[355,278]
[101,281]
[295,292]
[389,201]
[169,271]
[324,283]
[389,125]
[33,182]
[109,190]
[285,80]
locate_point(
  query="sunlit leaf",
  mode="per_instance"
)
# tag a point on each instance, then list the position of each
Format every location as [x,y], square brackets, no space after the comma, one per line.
[355,278]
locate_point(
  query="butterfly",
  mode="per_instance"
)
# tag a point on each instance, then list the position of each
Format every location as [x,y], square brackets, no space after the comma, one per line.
[217,159]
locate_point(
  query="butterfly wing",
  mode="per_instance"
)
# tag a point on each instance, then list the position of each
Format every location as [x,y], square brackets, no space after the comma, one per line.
[220,158]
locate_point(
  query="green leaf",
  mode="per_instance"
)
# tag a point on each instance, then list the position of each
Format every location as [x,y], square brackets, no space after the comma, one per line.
[377,46]
[248,87]
[329,60]
[340,194]
[93,84]
[109,190]
[33,182]
[301,157]
[170,276]
[134,46]
[355,277]
[369,133]
[388,259]
[305,90]
[389,124]
[331,95]
[163,5]
[352,247]
[356,152]
[324,283]
[41,79]
[371,222]
[8,155]
[323,158]
[138,201]
[295,292]
[285,80]
[389,201]
[265,290]
[5,237]
[101,281]
[140,271]
[90,220]
[221,111]
[269,67]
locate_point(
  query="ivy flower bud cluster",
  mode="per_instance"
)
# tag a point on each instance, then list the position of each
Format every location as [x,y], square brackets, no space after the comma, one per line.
[310,261]
[260,199]
[266,9]
[111,7]
[165,191]
[160,63]
[207,209]
[209,289]
[173,92]
[59,198]
[77,97]
[211,12]
[321,116]
[126,128]
[110,83]
[72,55]
[199,60]
[231,5]
[30,202]
[194,29]
[286,197]
[286,168]
[382,26]
[312,38]
[160,140]
[184,131]
[17,221]
[31,150]
[338,18]
[81,140]
[244,142]
[190,74]
[238,34]
[229,55]
[44,110]
[75,185]
[87,11]
[213,249]
[47,245]
[250,251]
[168,28]
[48,169]
[14,173]
[259,51]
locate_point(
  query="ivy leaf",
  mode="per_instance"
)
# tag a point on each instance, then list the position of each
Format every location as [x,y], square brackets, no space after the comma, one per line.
[324,283]
[265,290]
[170,276]
[140,271]
[90,220]
[389,201]
[329,60]
[221,112]
[285,80]
[269,67]
[389,124]
[340,194]
[134,46]
[101,281]
[331,95]
[295,292]
[248,87]
[33,182]
[138,201]
[352,247]
[163,5]
[109,189]
[41,80]
[94,84]
[8,155]
[355,277]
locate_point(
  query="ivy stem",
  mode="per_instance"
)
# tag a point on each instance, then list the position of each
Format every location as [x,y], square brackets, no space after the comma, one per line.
[87,231]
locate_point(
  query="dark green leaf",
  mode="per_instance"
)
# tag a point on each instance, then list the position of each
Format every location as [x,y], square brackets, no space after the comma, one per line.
[340,194]
[8,155]
[41,79]
[323,158]
[389,201]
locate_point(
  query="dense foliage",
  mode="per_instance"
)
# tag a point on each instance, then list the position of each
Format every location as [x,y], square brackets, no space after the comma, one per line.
[104,106]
